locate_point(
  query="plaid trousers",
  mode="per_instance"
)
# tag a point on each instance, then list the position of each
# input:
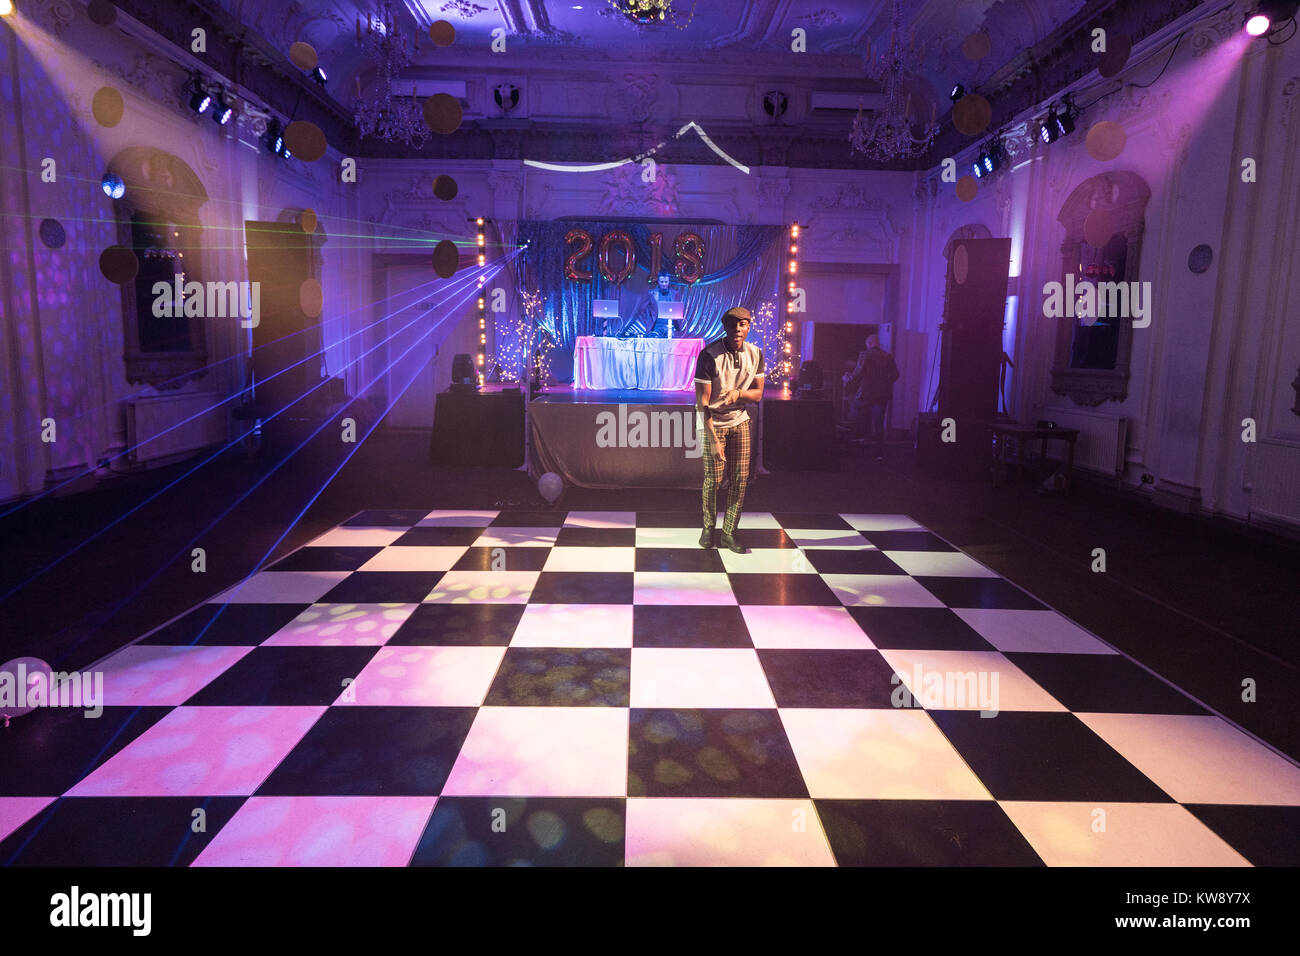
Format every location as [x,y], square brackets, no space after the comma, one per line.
[736,443]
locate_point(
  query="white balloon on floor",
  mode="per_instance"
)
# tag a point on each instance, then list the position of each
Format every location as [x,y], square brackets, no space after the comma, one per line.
[551,486]
[18,678]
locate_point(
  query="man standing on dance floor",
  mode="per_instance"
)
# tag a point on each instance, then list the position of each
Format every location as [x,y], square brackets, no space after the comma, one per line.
[728,375]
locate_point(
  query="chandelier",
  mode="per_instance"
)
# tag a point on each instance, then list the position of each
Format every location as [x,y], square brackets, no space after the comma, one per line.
[384,114]
[891,134]
[643,11]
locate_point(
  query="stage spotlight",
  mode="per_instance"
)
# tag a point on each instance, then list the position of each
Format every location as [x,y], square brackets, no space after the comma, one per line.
[319,76]
[200,99]
[274,137]
[113,186]
[6,8]
[989,160]
[222,111]
[1049,132]
[1057,124]
[1065,122]
[1269,14]
[957,93]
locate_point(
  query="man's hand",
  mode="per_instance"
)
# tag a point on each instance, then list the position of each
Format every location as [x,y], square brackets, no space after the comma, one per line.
[731,396]
[720,449]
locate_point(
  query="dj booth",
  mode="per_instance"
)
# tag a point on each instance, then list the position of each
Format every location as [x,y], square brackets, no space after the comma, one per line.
[640,363]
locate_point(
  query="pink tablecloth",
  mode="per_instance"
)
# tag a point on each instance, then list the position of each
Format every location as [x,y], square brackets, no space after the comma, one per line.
[649,364]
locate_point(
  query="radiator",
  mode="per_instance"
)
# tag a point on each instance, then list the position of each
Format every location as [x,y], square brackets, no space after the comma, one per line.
[1275,480]
[167,426]
[1102,439]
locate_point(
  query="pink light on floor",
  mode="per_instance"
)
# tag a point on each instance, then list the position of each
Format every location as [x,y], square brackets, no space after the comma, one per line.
[1258,25]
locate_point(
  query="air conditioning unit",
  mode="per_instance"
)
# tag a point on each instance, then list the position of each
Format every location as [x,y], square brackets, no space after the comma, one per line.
[426,88]
[828,102]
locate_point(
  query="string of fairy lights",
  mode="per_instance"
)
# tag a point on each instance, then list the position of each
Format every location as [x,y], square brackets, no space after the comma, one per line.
[787,356]
[482,301]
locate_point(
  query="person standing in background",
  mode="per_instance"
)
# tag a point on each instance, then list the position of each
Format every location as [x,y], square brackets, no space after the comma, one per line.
[871,387]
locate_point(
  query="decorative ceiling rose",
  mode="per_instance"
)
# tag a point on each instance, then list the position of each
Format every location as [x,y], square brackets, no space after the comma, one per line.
[892,133]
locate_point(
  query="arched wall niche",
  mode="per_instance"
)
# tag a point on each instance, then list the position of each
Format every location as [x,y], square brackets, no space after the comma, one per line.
[158,218]
[1091,360]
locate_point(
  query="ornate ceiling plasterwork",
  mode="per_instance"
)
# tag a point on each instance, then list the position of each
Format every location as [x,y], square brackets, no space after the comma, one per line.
[1034,40]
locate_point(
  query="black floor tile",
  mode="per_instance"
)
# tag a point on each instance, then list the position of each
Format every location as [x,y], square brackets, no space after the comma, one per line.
[562,677]
[711,753]
[760,588]
[1104,684]
[979,592]
[383,587]
[907,541]
[670,519]
[56,747]
[227,624]
[583,587]
[918,628]
[823,521]
[596,538]
[529,519]
[838,561]
[517,831]
[118,831]
[666,625]
[285,677]
[923,833]
[385,519]
[679,559]
[761,537]
[439,537]
[325,559]
[460,624]
[373,751]
[1019,755]
[1266,836]
[502,559]
[828,678]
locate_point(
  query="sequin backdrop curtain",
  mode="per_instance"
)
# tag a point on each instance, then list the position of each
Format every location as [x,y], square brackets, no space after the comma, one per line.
[746,270]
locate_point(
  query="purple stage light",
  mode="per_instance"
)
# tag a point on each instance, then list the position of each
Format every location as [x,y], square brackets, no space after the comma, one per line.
[1258,25]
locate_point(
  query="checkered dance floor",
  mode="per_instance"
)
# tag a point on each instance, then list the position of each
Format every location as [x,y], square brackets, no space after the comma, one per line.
[485,688]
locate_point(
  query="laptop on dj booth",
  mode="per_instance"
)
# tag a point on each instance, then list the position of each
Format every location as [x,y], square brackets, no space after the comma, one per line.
[606,310]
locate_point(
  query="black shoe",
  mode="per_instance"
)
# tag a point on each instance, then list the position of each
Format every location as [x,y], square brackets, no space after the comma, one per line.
[732,544]
[706,538]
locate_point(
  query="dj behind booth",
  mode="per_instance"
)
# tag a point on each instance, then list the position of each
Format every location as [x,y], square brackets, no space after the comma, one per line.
[646,353]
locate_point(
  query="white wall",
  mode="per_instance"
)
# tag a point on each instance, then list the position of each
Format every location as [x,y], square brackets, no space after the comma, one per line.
[61,333]
[1222,346]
